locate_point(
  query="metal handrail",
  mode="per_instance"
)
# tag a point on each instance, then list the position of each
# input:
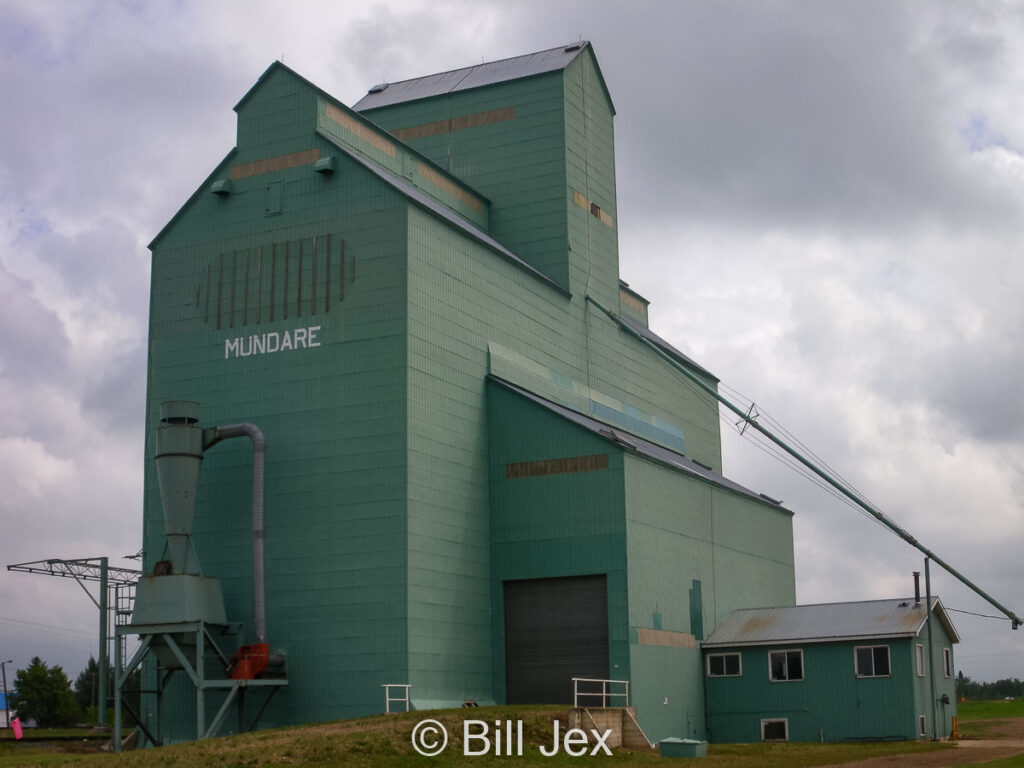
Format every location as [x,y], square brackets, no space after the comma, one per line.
[388,698]
[605,693]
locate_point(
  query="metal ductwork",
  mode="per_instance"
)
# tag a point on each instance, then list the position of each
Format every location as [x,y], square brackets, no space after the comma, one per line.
[259,449]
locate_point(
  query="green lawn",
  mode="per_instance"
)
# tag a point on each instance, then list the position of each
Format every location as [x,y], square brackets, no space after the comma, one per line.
[989,710]
[384,742]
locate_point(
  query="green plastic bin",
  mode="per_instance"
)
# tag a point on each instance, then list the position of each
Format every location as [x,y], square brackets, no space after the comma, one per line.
[674,747]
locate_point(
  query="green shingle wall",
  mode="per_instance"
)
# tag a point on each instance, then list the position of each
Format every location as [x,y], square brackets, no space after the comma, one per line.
[558,525]
[529,166]
[680,528]
[334,419]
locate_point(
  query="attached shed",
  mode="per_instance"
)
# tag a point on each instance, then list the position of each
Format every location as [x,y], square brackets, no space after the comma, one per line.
[833,672]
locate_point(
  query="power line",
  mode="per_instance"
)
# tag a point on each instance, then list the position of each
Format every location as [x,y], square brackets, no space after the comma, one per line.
[980,615]
[841,486]
[51,627]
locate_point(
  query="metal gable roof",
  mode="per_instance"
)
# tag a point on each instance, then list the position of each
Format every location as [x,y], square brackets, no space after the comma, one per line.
[827,622]
[488,73]
[639,445]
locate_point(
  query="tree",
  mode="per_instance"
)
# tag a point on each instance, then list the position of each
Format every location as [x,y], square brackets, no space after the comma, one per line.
[87,685]
[44,694]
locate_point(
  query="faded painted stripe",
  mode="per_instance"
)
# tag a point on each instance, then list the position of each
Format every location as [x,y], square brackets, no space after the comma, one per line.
[665,638]
[557,466]
[450,187]
[279,163]
[455,124]
[595,210]
[353,126]
[632,301]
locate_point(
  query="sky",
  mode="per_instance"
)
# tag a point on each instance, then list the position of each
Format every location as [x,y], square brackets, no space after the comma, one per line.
[824,203]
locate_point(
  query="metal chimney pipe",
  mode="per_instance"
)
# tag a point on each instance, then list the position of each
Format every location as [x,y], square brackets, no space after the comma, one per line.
[213,436]
[917,588]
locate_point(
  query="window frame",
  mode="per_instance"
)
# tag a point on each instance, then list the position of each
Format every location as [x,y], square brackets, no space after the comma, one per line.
[922,725]
[947,662]
[767,720]
[856,660]
[787,679]
[725,673]
[919,661]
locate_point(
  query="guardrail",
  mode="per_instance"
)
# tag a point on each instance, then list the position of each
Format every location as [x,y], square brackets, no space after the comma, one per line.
[389,699]
[606,694]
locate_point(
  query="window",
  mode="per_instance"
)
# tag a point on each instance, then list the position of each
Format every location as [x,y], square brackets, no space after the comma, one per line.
[922,723]
[872,661]
[724,665]
[786,665]
[947,662]
[919,657]
[775,730]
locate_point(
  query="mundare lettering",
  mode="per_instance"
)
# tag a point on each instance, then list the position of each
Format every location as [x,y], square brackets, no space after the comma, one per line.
[266,343]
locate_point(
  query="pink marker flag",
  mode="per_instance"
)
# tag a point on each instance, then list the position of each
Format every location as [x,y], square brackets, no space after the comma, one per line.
[16,727]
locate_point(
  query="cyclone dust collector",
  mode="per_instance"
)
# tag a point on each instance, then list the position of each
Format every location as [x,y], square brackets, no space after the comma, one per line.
[179,613]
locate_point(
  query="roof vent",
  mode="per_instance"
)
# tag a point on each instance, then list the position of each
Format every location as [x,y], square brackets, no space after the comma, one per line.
[776,502]
[708,467]
[378,88]
[573,47]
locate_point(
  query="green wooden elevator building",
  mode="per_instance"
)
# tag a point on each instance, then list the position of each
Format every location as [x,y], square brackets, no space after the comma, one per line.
[484,473]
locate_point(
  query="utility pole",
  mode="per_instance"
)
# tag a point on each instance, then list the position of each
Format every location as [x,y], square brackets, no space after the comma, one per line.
[122,580]
[7,703]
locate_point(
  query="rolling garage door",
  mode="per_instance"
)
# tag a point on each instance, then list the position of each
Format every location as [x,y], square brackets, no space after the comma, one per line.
[555,630]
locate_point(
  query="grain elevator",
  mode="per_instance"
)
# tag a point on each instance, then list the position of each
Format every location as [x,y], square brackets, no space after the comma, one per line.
[484,475]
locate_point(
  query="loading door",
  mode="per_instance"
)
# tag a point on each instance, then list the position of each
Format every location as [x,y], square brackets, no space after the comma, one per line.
[555,630]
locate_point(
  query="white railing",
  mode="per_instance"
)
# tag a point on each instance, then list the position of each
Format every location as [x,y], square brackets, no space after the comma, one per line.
[389,699]
[605,694]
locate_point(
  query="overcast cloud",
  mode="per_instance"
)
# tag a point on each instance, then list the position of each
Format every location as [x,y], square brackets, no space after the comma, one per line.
[823,202]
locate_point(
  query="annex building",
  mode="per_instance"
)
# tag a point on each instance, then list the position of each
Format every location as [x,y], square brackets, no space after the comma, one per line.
[875,670]
[485,474]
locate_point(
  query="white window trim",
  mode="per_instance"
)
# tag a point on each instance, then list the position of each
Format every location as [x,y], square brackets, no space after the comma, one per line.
[919,661]
[783,720]
[803,669]
[947,662]
[922,725]
[707,664]
[856,666]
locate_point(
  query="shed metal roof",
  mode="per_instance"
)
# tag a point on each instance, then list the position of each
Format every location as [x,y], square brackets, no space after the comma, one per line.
[639,445]
[477,76]
[826,622]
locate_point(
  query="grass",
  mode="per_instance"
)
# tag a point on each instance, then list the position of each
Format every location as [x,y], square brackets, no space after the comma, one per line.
[989,710]
[985,719]
[384,742]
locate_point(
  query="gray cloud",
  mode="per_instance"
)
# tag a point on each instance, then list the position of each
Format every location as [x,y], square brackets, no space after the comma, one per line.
[822,201]
[33,347]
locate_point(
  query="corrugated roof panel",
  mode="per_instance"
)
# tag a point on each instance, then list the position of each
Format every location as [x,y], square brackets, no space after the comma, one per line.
[476,76]
[825,623]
